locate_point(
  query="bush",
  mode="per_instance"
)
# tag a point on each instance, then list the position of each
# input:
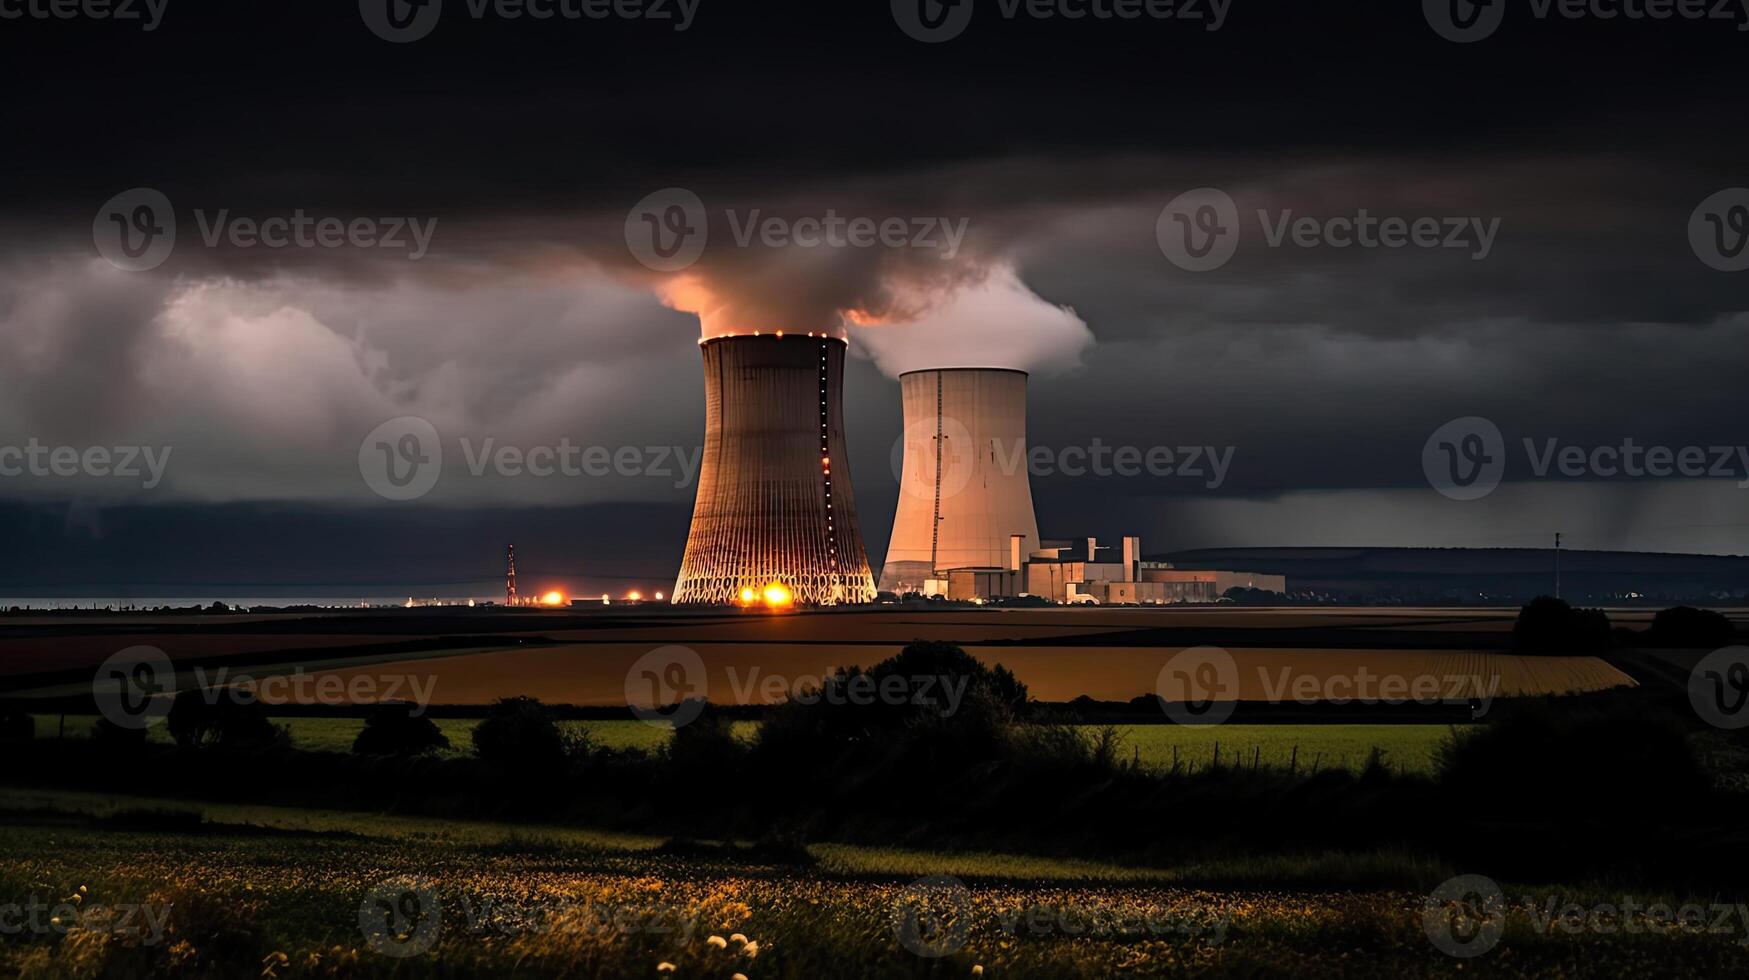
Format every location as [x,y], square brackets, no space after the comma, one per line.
[202,719]
[521,735]
[927,716]
[1612,758]
[393,729]
[16,726]
[120,737]
[1551,627]
[1685,626]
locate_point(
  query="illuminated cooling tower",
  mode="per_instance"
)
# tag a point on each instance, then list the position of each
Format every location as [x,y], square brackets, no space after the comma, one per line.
[774,500]
[963,487]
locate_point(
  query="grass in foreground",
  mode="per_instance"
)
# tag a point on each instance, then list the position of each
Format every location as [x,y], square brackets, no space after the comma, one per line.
[272,892]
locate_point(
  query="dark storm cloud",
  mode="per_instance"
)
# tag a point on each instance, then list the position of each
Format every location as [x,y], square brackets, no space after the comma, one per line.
[1057,143]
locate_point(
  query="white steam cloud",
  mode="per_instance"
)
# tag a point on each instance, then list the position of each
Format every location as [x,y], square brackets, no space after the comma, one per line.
[996,322]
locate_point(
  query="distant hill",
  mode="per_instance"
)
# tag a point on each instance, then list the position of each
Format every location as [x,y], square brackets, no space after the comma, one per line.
[1484,574]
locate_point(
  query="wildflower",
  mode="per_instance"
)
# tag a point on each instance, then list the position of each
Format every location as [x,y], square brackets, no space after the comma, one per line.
[717,941]
[664,967]
[977,969]
[738,938]
[737,976]
[751,949]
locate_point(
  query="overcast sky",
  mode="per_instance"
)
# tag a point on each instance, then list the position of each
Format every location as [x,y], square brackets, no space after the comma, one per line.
[1016,176]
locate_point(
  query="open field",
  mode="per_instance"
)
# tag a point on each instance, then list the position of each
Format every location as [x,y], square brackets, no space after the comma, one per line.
[1407,748]
[581,656]
[256,891]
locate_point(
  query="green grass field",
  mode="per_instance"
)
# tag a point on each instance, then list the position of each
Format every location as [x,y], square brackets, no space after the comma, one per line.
[1407,748]
[233,891]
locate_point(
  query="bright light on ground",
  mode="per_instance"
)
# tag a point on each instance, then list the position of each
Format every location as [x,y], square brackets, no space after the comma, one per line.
[777,595]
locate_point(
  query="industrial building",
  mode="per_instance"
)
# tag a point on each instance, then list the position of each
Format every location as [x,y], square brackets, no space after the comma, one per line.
[1076,572]
[963,484]
[774,512]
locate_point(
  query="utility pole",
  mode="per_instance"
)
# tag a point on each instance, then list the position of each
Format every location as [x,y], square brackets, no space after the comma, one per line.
[1557,564]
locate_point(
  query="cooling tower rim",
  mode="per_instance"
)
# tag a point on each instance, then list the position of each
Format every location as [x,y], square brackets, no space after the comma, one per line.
[980,370]
[707,341]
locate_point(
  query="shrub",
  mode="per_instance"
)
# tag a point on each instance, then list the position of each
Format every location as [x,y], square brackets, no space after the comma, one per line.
[1605,756]
[1551,627]
[201,719]
[520,734]
[112,735]
[393,729]
[16,726]
[1685,626]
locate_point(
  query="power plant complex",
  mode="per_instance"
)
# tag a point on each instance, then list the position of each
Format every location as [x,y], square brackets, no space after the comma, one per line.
[774,521]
